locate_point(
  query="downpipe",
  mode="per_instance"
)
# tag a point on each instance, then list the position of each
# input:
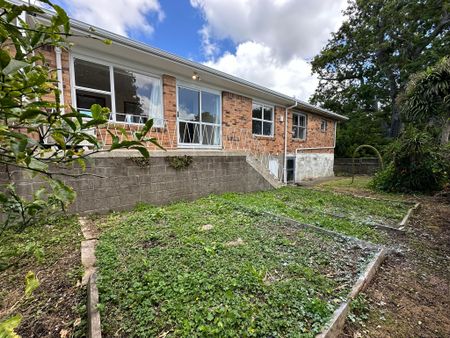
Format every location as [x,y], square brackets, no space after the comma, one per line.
[285,140]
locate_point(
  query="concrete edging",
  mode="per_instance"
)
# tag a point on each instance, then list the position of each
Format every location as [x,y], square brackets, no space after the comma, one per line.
[408,215]
[336,323]
[90,277]
[93,314]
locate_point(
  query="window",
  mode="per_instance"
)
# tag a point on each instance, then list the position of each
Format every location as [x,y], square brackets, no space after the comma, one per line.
[262,120]
[132,97]
[323,126]
[199,117]
[92,85]
[299,126]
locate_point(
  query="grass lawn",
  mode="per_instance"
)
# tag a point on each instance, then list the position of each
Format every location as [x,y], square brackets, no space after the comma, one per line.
[52,252]
[215,268]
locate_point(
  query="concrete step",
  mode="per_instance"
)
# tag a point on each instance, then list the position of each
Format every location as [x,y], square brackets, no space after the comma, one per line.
[264,172]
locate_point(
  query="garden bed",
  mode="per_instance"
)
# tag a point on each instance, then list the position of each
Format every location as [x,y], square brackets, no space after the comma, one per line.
[52,252]
[212,268]
[352,216]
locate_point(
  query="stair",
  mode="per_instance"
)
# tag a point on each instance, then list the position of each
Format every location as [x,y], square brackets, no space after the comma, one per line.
[264,172]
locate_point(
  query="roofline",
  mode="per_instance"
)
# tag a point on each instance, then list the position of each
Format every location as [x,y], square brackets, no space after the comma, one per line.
[195,65]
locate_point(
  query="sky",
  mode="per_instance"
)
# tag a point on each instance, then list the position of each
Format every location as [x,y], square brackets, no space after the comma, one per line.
[269,42]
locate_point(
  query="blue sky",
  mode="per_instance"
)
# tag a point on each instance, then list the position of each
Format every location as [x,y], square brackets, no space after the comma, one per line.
[178,32]
[269,42]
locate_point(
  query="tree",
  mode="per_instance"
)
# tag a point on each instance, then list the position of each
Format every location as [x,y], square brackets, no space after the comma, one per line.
[426,100]
[367,62]
[31,113]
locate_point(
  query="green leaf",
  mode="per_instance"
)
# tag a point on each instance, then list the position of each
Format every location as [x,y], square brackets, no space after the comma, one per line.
[7,327]
[5,58]
[62,192]
[31,283]
[31,114]
[13,66]
[37,165]
[59,139]
[69,122]
[96,111]
[144,152]
[148,125]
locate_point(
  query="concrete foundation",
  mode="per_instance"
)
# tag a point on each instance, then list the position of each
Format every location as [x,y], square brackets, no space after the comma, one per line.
[314,165]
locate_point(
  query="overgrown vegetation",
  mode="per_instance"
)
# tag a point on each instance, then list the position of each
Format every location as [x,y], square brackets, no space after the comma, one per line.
[419,158]
[179,162]
[38,134]
[416,163]
[212,268]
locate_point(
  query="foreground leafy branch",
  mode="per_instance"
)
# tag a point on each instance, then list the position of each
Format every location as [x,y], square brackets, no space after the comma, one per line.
[38,134]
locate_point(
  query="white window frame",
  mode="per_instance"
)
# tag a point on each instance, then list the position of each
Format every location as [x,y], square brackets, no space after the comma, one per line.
[305,127]
[111,93]
[262,120]
[323,123]
[219,124]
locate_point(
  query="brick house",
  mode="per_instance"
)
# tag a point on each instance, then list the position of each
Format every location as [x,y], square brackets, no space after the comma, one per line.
[194,107]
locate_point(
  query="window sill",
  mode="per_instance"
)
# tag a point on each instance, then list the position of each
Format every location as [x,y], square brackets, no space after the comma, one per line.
[134,124]
[298,139]
[264,136]
[198,146]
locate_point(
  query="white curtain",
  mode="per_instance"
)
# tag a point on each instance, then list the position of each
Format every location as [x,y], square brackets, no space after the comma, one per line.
[156,108]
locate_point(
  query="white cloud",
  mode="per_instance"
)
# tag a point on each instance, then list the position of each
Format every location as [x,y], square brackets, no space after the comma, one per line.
[274,39]
[289,27]
[210,49]
[257,63]
[118,16]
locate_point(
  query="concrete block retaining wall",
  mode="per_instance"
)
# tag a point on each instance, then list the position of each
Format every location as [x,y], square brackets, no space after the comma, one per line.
[127,183]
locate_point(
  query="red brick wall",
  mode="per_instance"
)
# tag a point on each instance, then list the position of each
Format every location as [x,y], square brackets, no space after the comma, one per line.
[236,118]
[237,129]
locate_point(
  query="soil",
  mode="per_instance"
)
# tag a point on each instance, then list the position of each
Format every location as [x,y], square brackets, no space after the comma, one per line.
[53,312]
[57,307]
[410,295]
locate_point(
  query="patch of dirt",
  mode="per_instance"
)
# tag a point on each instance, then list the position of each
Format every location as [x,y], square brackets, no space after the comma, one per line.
[53,307]
[236,242]
[151,243]
[410,296]
[207,227]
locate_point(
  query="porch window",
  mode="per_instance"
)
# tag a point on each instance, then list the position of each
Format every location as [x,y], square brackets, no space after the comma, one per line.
[299,126]
[132,97]
[262,120]
[199,117]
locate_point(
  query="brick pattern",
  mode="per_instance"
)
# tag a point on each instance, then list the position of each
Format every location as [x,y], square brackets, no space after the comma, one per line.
[125,183]
[237,116]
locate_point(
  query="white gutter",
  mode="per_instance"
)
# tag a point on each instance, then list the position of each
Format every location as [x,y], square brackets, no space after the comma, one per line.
[285,141]
[320,148]
[60,76]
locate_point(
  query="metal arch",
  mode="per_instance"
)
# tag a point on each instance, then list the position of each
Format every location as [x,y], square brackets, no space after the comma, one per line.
[356,151]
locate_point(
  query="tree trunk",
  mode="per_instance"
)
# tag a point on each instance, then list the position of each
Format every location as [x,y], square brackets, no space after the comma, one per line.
[396,123]
[445,132]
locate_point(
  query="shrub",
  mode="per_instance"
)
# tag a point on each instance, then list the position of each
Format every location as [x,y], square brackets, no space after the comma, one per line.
[415,164]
